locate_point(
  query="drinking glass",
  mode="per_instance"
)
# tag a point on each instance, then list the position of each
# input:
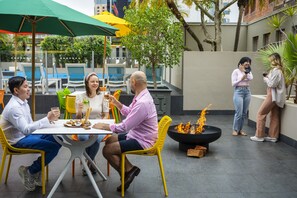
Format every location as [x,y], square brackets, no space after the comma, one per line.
[56,112]
[106,96]
[86,104]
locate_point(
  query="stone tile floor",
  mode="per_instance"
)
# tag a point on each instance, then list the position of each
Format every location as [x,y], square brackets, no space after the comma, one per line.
[234,167]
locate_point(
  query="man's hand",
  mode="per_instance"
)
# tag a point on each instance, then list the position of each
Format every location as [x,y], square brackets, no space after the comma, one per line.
[101,126]
[52,117]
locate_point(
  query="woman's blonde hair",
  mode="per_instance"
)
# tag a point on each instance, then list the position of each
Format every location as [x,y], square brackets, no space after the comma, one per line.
[276,60]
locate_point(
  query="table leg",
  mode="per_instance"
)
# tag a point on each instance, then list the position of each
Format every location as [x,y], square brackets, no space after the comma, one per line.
[94,165]
[77,149]
[91,178]
[61,177]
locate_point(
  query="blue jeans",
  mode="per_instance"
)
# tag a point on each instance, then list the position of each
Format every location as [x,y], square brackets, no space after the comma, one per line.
[241,100]
[94,148]
[45,143]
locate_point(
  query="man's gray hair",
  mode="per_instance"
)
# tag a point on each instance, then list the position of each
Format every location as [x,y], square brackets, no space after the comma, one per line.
[139,77]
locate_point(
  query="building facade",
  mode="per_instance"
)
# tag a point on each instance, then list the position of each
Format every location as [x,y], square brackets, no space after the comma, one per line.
[259,32]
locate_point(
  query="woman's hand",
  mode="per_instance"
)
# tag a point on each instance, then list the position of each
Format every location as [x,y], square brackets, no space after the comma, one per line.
[244,77]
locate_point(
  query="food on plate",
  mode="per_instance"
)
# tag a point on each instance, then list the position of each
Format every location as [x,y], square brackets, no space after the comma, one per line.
[77,123]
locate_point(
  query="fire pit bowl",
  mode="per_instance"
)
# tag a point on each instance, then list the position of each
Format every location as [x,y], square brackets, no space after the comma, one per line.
[188,141]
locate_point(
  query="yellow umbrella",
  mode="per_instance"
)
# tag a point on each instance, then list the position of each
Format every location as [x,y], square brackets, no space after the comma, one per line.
[117,22]
[114,21]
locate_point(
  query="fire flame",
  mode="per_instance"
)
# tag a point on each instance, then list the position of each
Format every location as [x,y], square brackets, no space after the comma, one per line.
[188,128]
[201,121]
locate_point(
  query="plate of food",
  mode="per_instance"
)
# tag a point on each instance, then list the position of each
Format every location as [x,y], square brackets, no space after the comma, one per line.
[77,124]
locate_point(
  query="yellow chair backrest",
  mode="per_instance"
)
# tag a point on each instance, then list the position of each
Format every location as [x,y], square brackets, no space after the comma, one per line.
[114,110]
[163,126]
[70,106]
[2,97]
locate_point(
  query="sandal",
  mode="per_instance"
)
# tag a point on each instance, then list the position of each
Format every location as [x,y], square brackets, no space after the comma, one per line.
[242,133]
[235,133]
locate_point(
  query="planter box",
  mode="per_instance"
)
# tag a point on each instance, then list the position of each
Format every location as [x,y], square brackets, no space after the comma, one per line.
[162,99]
[288,133]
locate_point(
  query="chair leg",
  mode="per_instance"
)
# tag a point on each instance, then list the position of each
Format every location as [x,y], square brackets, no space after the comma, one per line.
[162,172]
[73,168]
[123,173]
[3,163]
[43,172]
[108,169]
[8,168]
[47,173]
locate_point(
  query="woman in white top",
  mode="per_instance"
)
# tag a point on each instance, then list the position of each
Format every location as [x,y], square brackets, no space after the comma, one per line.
[240,78]
[100,110]
[275,99]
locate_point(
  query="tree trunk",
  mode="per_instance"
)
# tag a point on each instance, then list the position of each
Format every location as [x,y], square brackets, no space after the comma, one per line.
[178,15]
[154,75]
[241,11]
[218,29]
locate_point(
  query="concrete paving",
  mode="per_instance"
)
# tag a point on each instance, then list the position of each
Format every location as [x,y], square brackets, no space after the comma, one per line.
[233,167]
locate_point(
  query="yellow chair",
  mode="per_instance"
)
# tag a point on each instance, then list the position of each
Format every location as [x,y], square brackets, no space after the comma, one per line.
[155,150]
[70,106]
[2,91]
[10,150]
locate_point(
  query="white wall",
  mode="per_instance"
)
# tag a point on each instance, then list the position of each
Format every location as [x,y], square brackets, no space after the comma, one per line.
[207,79]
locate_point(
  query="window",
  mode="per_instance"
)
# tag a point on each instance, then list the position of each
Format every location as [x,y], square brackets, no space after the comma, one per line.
[266,38]
[253,5]
[279,36]
[124,52]
[255,43]
[117,52]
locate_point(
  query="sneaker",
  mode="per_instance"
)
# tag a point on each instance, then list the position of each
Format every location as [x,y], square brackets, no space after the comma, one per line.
[27,178]
[256,139]
[270,139]
[37,179]
[92,169]
[84,172]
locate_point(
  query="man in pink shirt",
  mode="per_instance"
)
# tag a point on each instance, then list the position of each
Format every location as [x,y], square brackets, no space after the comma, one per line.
[137,132]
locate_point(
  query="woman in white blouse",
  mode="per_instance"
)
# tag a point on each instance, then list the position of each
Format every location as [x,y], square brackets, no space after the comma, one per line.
[100,110]
[275,99]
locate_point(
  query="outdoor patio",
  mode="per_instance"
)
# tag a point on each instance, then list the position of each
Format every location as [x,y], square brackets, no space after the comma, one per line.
[234,167]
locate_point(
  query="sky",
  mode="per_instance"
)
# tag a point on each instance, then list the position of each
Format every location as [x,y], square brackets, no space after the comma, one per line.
[87,7]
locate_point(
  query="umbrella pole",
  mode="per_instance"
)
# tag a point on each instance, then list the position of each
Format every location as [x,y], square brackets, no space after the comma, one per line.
[104,57]
[33,70]
[15,54]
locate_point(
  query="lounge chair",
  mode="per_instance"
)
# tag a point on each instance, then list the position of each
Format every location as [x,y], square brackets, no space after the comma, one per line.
[27,69]
[76,75]
[116,77]
[159,76]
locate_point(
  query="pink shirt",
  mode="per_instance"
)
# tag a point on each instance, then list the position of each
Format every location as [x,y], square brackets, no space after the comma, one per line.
[237,76]
[141,121]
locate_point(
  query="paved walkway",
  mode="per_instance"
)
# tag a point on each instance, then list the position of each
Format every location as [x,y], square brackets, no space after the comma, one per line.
[234,167]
